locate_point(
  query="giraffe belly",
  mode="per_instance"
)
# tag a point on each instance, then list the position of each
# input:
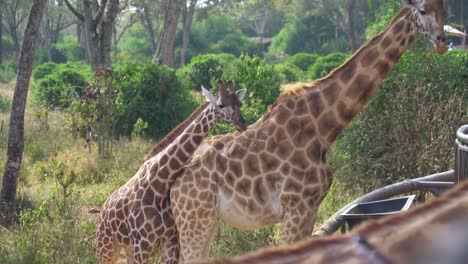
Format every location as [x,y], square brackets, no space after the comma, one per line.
[235,215]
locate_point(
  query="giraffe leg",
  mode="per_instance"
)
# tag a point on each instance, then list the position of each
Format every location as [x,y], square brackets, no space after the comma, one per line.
[171,250]
[108,248]
[196,227]
[297,225]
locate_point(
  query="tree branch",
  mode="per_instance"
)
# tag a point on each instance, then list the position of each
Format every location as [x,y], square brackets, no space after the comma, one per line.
[100,12]
[74,11]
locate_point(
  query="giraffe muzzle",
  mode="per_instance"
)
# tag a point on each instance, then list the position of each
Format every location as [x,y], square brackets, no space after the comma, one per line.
[439,45]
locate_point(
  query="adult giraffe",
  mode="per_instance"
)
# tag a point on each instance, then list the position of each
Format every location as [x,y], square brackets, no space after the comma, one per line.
[137,216]
[432,233]
[276,170]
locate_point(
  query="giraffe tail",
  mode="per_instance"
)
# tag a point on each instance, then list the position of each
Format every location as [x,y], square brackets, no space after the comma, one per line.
[94,211]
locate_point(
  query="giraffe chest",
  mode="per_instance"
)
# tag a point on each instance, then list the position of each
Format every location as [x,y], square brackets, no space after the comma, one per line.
[244,213]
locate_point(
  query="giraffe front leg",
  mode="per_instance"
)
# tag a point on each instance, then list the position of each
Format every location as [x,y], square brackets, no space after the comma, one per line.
[195,214]
[172,249]
[297,225]
[107,247]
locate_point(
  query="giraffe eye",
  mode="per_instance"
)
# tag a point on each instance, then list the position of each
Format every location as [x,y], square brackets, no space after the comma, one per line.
[221,106]
[422,12]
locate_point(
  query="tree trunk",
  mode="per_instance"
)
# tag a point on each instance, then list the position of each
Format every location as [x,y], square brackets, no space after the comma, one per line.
[188,18]
[148,25]
[91,36]
[98,21]
[16,132]
[165,53]
[106,31]
[350,26]
[48,40]
[1,36]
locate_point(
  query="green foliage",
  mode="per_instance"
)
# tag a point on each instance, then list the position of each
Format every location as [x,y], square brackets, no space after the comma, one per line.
[258,77]
[303,60]
[203,68]
[289,72]
[139,127]
[234,242]
[62,86]
[214,27]
[97,111]
[235,43]
[326,64]
[71,49]
[42,70]
[135,44]
[5,104]
[154,94]
[310,34]
[56,55]
[7,72]
[407,130]
[50,234]
[385,14]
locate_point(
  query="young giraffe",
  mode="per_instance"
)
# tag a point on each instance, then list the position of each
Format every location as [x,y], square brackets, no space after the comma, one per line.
[137,216]
[434,232]
[276,170]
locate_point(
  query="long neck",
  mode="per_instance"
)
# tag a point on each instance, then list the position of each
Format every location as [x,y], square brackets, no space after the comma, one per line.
[336,99]
[177,131]
[345,91]
[166,165]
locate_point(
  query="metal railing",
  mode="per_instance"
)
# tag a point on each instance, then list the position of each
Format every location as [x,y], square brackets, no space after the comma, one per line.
[461,155]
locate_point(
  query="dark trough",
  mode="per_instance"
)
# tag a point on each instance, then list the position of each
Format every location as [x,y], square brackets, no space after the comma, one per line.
[365,211]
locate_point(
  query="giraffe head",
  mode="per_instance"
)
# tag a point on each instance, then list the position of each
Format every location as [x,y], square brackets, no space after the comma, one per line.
[429,20]
[227,104]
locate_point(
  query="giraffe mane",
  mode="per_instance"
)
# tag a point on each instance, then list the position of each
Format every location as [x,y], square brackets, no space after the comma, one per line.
[171,136]
[301,88]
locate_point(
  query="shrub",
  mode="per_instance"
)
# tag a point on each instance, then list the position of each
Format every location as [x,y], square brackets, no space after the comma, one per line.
[152,93]
[5,104]
[303,60]
[61,87]
[289,72]
[326,64]
[43,70]
[258,77]
[71,48]
[235,43]
[96,113]
[7,72]
[203,68]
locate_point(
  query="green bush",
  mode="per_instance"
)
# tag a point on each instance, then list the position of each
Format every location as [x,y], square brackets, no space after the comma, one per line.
[303,60]
[42,70]
[258,77]
[5,105]
[326,64]
[203,68]
[7,72]
[307,33]
[235,43]
[56,55]
[62,86]
[289,72]
[135,45]
[72,49]
[52,233]
[152,93]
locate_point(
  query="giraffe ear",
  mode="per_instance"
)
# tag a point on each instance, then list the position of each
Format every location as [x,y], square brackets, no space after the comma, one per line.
[408,3]
[241,94]
[208,96]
